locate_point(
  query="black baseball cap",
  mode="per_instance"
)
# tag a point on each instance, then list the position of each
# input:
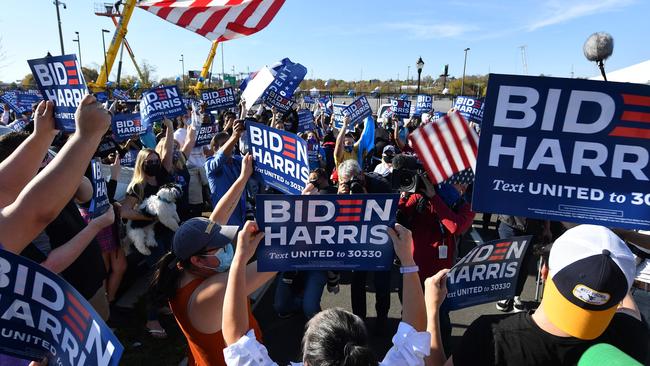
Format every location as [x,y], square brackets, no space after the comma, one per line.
[199,233]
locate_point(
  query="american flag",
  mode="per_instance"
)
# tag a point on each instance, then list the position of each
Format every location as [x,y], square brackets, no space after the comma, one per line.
[446,146]
[219,20]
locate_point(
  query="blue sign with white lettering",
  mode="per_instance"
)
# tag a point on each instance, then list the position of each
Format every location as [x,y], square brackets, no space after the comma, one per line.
[99,203]
[337,115]
[120,94]
[565,150]
[423,104]
[401,108]
[308,99]
[45,317]
[218,99]
[305,120]
[280,157]
[326,232]
[205,133]
[126,126]
[358,110]
[287,77]
[160,103]
[472,109]
[59,79]
[273,99]
[128,160]
[488,273]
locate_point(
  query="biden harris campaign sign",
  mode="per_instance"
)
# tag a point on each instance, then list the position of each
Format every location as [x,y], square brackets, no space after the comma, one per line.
[205,133]
[99,203]
[125,126]
[318,232]
[401,108]
[59,79]
[423,104]
[218,99]
[565,150]
[305,120]
[160,103]
[43,316]
[472,109]
[358,110]
[280,157]
[488,273]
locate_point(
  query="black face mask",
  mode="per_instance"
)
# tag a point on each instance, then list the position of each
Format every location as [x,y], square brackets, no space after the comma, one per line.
[152,169]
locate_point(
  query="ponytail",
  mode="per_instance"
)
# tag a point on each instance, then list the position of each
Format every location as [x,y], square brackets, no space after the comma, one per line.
[336,337]
[166,278]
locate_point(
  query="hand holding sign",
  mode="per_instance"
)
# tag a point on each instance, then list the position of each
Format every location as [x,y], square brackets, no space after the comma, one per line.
[435,290]
[247,241]
[247,167]
[104,220]
[92,119]
[402,243]
[44,120]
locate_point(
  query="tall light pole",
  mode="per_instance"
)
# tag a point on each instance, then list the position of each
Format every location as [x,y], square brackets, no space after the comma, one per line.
[104,31]
[419,64]
[182,60]
[462,84]
[58,18]
[78,48]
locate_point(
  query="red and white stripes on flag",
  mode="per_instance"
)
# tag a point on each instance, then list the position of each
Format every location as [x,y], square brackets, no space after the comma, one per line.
[445,147]
[219,20]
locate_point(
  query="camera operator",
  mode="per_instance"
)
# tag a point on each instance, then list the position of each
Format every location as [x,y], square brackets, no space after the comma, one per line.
[434,224]
[353,180]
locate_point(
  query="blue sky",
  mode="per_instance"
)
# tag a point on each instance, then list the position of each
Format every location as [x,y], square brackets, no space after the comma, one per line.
[353,39]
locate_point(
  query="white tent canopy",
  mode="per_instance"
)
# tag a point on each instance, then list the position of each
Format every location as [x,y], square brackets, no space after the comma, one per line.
[639,73]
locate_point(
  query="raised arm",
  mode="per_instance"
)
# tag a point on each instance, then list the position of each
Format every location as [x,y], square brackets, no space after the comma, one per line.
[190,140]
[168,150]
[228,147]
[435,289]
[340,138]
[398,141]
[234,321]
[413,310]
[45,195]
[23,164]
[63,256]
[224,209]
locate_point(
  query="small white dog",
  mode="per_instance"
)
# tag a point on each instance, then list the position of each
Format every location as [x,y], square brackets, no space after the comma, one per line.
[162,206]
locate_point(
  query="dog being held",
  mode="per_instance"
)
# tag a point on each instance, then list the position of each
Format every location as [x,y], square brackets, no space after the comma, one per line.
[161,207]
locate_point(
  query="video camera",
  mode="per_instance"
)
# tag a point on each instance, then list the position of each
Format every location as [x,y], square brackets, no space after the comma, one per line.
[408,174]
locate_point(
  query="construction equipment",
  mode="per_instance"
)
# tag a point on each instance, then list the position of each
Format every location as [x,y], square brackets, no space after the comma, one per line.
[206,67]
[108,9]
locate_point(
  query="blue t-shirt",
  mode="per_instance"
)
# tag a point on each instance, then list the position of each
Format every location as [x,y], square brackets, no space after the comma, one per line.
[222,172]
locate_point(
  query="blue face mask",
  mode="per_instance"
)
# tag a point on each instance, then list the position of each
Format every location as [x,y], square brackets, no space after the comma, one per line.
[225,256]
[348,148]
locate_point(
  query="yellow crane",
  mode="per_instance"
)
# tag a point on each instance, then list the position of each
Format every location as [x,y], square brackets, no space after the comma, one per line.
[116,42]
[205,71]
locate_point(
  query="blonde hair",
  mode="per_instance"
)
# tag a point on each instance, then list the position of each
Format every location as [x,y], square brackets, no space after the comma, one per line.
[137,183]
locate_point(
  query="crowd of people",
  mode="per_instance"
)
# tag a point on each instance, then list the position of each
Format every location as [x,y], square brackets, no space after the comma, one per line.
[203,270]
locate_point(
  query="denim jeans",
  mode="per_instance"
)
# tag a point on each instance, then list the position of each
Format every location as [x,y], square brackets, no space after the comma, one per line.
[287,300]
[642,300]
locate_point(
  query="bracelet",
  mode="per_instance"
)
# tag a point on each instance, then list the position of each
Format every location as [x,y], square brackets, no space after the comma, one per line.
[408,269]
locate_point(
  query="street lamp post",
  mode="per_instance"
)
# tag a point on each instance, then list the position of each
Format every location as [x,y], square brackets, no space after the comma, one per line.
[419,64]
[58,18]
[104,31]
[462,84]
[182,60]
[78,48]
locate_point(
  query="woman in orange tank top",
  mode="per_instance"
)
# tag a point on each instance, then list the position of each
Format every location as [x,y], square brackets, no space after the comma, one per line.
[193,276]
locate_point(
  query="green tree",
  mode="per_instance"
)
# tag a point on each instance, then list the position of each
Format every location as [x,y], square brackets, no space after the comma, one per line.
[89,74]
[148,74]
[28,82]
